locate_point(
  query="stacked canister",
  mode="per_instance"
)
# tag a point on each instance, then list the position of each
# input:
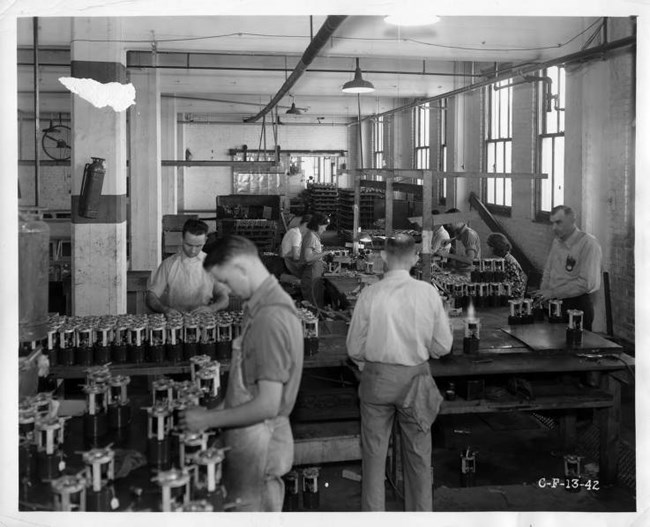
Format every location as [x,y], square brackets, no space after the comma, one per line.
[135,339]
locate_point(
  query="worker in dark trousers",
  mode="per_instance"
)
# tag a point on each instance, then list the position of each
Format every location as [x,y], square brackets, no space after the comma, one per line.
[311,259]
[398,324]
[573,268]
[265,372]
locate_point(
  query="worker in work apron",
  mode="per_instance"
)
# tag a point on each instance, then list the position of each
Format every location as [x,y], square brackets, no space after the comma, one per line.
[259,454]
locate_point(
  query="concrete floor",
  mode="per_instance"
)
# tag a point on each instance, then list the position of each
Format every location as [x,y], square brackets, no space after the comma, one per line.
[514,452]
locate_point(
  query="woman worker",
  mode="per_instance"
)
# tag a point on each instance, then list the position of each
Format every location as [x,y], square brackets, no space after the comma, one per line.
[514,273]
[311,258]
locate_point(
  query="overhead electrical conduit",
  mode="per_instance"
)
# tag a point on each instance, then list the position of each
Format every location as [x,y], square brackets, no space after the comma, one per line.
[328,28]
[523,70]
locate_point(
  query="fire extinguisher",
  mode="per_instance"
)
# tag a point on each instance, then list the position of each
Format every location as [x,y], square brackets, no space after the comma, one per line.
[91,187]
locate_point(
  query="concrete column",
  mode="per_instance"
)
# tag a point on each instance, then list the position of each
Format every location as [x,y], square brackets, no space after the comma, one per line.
[146,183]
[99,245]
[168,147]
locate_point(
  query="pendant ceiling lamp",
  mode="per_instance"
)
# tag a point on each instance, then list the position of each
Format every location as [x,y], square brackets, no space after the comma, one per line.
[293,110]
[358,84]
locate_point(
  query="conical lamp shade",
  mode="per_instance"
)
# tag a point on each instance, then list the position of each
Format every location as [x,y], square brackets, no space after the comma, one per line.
[293,110]
[358,85]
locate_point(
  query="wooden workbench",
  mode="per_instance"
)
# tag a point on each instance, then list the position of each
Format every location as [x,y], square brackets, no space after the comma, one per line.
[499,354]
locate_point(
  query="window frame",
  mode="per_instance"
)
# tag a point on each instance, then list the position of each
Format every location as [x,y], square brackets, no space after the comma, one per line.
[422,136]
[559,126]
[494,136]
[442,151]
[378,142]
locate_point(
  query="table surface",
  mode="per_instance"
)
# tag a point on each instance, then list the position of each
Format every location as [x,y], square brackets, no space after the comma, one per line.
[499,352]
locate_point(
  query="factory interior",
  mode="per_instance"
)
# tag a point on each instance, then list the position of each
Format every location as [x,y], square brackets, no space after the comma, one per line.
[142,138]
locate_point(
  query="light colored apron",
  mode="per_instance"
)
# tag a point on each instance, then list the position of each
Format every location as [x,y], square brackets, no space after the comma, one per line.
[259,454]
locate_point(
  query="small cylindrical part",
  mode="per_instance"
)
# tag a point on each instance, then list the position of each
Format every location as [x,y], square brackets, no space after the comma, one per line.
[69,493]
[292,492]
[468,468]
[555,310]
[310,492]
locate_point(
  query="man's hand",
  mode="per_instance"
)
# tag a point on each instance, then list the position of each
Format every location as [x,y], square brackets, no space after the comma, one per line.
[172,312]
[543,295]
[202,309]
[195,419]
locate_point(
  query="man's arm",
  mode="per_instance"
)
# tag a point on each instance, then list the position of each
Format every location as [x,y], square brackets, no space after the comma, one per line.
[155,304]
[157,286]
[358,331]
[265,405]
[220,299]
[442,338]
[465,259]
[295,253]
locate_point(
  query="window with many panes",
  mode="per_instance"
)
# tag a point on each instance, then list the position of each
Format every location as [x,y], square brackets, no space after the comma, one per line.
[550,191]
[421,139]
[378,142]
[498,145]
[442,152]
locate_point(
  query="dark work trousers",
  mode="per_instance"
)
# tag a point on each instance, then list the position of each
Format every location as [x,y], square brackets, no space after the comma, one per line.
[585,304]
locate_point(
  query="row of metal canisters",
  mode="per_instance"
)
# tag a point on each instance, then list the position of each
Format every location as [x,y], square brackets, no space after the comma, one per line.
[129,338]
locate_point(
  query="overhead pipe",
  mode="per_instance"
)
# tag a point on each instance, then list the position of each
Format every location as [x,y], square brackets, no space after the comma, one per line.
[328,28]
[37,117]
[573,57]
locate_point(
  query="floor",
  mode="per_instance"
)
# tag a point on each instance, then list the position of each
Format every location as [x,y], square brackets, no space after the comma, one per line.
[514,452]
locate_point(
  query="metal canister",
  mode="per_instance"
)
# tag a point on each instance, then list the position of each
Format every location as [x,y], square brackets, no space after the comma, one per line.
[292,492]
[310,493]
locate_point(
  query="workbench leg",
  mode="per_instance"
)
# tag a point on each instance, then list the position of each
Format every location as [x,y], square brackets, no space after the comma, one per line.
[568,430]
[609,422]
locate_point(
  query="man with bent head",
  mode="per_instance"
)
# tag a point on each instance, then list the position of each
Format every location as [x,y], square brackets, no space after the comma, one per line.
[398,324]
[573,267]
[180,283]
[265,372]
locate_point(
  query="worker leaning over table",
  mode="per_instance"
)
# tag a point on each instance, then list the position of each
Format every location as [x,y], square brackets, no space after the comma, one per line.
[398,324]
[573,267]
[265,372]
[291,244]
[180,284]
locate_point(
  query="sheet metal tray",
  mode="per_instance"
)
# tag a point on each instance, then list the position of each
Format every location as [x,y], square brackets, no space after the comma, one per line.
[552,338]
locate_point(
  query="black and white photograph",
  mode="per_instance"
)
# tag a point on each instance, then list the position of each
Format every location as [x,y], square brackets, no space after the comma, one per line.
[324,259]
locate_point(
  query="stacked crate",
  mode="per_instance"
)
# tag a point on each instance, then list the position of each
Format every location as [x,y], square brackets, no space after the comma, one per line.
[262,233]
[367,202]
[324,198]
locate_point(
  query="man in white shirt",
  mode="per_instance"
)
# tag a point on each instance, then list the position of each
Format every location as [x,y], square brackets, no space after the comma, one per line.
[441,241]
[290,246]
[180,284]
[573,267]
[398,324]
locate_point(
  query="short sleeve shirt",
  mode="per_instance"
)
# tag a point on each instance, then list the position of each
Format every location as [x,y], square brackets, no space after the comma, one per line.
[291,239]
[273,343]
[310,241]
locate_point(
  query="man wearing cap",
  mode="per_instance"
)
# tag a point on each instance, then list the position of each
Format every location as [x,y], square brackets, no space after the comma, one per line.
[573,267]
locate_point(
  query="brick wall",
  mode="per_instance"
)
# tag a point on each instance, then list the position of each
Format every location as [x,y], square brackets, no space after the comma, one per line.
[620,257]
[599,171]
